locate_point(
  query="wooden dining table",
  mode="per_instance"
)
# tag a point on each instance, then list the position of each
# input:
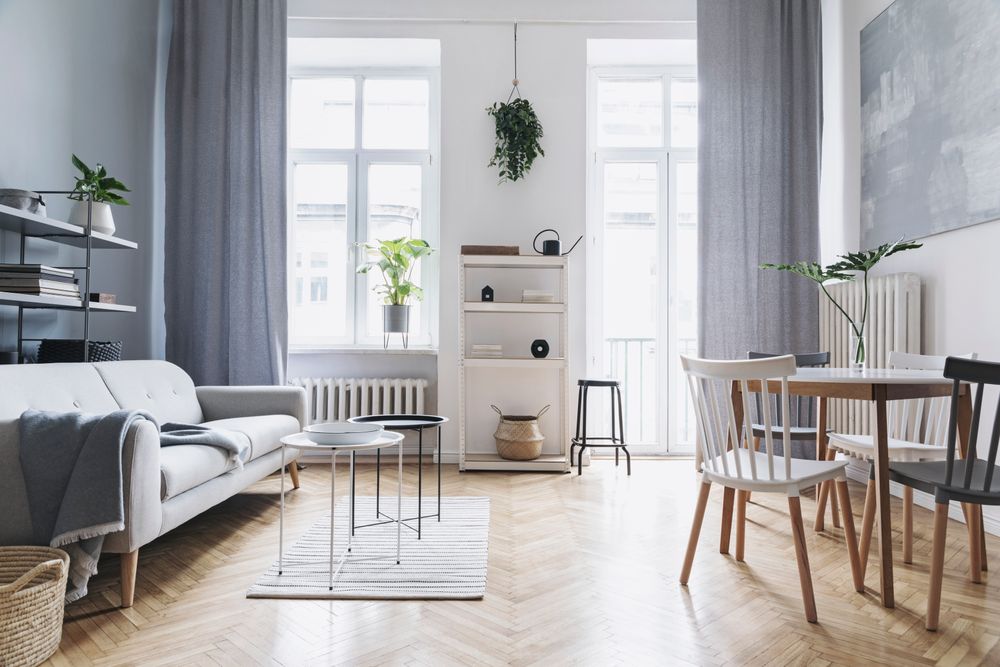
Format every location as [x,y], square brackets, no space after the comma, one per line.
[878,386]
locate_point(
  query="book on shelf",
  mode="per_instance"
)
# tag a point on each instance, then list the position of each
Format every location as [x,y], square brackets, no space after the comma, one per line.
[537,296]
[38,283]
[508,250]
[36,269]
[487,350]
[41,291]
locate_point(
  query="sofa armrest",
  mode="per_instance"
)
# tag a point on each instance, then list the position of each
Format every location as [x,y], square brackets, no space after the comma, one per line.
[141,481]
[230,402]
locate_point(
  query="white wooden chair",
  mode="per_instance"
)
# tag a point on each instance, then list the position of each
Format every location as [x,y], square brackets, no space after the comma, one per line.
[918,429]
[729,461]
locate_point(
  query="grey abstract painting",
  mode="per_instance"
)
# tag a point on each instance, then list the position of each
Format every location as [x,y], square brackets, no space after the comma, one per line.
[930,118]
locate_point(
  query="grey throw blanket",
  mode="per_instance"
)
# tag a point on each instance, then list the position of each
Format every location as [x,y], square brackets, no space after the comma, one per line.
[193,434]
[72,466]
[72,470]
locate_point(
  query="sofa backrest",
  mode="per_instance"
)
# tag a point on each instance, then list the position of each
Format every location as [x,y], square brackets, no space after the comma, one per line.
[62,387]
[159,387]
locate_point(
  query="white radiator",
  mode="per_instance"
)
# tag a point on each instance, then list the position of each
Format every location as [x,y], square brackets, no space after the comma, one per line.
[893,324]
[338,399]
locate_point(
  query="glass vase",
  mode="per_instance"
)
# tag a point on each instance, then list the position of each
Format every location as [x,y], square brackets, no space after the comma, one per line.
[857,352]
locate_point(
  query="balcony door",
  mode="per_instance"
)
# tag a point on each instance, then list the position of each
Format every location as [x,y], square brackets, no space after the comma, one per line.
[642,260]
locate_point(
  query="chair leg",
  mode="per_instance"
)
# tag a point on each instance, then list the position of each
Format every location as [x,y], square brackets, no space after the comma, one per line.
[802,557]
[857,573]
[293,472]
[975,551]
[834,509]
[628,461]
[727,519]
[907,524]
[867,527]
[699,515]
[982,539]
[741,523]
[129,565]
[821,498]
[937,565]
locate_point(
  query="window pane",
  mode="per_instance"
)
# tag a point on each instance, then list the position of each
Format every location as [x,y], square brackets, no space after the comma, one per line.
[631,288]
[396,113]
[394,210]
[684,113]
[319,302]
[322,113]
[630,112]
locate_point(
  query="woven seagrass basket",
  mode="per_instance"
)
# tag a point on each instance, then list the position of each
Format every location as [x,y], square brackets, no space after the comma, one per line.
[32,590]
[518,437]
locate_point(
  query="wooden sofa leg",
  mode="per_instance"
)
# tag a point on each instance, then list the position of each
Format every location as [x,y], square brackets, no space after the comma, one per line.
[293,471]
[130,562]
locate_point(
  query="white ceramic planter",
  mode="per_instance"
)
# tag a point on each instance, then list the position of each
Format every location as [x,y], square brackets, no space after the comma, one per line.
[103,221]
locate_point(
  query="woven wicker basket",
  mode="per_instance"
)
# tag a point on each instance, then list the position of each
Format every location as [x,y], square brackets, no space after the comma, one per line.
[518,436]
[32,590]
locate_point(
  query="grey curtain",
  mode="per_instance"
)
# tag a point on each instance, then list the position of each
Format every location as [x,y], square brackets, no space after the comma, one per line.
[760,120]
[225,243]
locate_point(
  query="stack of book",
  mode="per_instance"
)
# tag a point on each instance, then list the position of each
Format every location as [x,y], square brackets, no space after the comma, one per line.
[38,280]
[537,296]
[487,350]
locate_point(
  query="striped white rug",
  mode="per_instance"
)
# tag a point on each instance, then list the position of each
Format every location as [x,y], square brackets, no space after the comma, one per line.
[448,562]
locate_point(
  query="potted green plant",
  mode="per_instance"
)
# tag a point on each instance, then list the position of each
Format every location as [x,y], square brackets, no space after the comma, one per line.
[396,259]
[517,133]
[847,268]
[101,190]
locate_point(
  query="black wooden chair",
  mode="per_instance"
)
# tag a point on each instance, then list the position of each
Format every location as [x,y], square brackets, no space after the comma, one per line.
[970,480]
[803,427]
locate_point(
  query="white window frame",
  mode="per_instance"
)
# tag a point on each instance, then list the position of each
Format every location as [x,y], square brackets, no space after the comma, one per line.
[666,157]
[358,159]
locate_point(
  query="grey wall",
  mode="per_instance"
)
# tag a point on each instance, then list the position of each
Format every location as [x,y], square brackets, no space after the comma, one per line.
[79,77]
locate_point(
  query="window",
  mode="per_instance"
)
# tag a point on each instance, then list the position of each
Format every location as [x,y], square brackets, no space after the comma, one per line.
[642,310]
[361,168]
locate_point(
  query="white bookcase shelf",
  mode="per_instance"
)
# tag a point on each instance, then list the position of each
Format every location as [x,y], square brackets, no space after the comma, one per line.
[516,382]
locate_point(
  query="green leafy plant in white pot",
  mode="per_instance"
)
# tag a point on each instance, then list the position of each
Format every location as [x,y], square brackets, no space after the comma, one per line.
[101,190]
[396,259]
[848,268]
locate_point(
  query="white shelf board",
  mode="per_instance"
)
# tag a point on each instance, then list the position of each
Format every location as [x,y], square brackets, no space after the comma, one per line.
[544,463]
[513,362]
[514,261]
[59,303]
[513,307]
[23,222]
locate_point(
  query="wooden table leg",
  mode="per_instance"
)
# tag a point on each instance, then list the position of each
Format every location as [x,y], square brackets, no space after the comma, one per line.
[882,514]
[822,489]
[964,429]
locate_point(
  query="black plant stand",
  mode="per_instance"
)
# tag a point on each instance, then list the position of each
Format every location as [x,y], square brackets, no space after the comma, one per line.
[416,423]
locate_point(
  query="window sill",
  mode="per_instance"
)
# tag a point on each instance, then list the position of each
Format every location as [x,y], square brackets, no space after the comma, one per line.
[415,350]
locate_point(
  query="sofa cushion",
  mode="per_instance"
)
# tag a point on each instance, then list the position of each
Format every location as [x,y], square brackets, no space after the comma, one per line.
[183,467]
[264,431]
[160,387]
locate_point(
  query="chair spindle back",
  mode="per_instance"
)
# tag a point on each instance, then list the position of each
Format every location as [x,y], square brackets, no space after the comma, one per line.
[978,374]
[712,385]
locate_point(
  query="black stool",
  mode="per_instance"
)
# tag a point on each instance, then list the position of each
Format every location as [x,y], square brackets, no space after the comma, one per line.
[582,440]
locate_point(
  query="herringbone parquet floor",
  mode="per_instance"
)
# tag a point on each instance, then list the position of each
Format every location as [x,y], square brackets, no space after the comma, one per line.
[582,570]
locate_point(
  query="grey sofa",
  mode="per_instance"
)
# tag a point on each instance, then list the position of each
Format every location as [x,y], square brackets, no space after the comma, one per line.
[163,487]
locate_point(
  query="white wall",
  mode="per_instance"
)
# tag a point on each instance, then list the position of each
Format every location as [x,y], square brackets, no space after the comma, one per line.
[78,77]
[475,72]
[960,284]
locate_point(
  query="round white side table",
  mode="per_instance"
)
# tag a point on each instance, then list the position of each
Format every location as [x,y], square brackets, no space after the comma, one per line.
[301,442]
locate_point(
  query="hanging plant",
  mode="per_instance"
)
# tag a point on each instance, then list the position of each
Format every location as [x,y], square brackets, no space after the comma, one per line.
[517,132]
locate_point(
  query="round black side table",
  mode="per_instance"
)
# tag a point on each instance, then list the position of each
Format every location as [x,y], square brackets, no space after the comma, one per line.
[416,423]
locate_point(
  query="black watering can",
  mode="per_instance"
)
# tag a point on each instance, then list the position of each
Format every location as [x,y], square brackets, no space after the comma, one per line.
[552,246]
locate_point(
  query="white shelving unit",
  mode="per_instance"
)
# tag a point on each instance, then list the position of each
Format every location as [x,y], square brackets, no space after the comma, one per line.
[516,382]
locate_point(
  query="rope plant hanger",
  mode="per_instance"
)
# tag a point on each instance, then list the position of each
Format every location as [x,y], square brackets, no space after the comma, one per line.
[517,131]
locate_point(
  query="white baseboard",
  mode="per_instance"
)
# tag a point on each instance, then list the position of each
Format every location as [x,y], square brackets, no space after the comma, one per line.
[991,522]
